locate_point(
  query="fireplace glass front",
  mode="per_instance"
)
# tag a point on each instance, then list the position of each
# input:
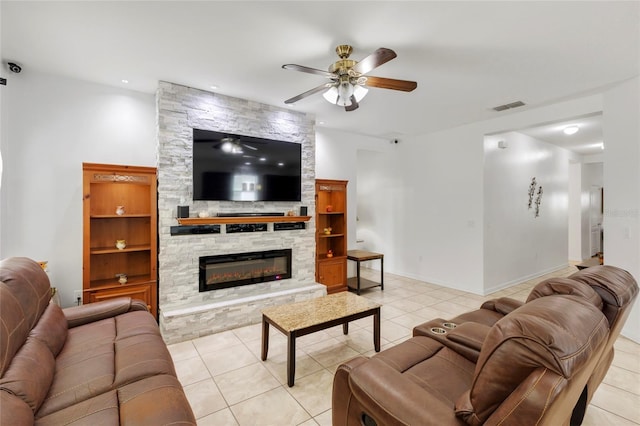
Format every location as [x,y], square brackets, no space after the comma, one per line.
[231,270]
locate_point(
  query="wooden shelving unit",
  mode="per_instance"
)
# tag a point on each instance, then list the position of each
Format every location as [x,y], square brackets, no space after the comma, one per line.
[105,187]
[331,246]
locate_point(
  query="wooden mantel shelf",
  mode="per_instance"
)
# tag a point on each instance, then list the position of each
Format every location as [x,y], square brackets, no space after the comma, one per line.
[238,220]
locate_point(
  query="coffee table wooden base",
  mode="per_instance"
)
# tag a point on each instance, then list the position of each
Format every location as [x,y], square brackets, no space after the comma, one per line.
[293,334]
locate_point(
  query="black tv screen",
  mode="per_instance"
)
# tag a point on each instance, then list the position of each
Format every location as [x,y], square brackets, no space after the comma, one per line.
[228,167]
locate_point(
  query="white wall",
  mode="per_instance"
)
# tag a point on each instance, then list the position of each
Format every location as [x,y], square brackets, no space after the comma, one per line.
[517,244]
[440,226]
[50,125]
[337,158]
[575,212]
[379,211]
[622,185]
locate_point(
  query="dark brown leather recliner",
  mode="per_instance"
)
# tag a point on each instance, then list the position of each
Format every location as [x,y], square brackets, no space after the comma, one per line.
[103,363]
[464,371]
[611,289]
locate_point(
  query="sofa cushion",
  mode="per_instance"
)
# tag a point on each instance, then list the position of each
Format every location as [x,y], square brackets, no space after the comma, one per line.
[99,410]
[84,368]
[14,410]
[139,357]
[432,366]
[139,402]
[51,329]
[30,373]
[24,295]
[135,324]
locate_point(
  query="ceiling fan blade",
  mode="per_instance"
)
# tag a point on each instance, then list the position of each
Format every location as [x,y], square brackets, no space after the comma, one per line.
[354,104]
[309,70]
[391,83]
[317,89]
[377,58]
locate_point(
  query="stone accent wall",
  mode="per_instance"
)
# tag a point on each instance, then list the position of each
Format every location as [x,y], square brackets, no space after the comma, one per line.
[179,110]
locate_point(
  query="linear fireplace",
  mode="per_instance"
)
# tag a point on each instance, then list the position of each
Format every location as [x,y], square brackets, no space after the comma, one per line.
[232,270]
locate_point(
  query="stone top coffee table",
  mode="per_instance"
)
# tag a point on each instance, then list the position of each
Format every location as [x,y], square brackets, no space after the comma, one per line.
[302,318]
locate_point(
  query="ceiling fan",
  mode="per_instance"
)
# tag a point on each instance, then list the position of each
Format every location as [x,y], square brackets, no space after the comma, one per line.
[349,83]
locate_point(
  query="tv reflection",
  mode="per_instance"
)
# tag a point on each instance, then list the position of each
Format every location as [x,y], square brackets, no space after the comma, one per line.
[246,187]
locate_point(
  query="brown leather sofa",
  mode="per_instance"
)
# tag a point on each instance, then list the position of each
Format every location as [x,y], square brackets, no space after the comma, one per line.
[509,362]
[98,364]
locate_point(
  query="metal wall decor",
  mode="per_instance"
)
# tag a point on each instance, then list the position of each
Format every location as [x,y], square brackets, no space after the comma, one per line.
[532,191]
[538,201]
[532,195]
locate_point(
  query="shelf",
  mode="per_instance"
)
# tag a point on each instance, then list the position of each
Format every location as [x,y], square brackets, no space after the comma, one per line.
[115,216]
[330,235]
[352,283]
[331,213]
[113,283]
[334,257]
[127,249]
[240,220]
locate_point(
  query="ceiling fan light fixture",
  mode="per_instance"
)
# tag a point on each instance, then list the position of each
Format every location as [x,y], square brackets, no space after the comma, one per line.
[345,90]
[331,95]
[341,95]
[360,92]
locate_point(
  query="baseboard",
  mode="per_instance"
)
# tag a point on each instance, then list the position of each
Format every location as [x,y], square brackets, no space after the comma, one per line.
[523,278]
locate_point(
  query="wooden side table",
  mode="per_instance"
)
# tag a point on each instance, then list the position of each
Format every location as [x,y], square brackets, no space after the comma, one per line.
[358,283]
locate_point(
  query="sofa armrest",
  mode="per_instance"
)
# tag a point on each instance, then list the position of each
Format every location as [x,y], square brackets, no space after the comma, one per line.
[503,305]
[84,314]
[389,398]
[469,334]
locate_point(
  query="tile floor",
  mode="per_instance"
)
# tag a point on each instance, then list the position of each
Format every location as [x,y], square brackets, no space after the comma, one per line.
[227,383]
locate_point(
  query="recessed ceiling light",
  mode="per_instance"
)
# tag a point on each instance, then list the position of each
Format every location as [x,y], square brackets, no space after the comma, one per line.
[570,130]
[125,81]
[280,164]
[321,122]
[214,87]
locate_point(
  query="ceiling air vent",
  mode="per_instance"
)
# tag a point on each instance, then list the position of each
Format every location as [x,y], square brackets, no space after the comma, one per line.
[515,104]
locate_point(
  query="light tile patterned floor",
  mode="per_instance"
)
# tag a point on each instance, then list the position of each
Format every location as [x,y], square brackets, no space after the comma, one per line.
[227,383]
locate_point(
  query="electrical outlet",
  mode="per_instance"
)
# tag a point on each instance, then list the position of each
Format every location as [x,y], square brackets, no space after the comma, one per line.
[77,296]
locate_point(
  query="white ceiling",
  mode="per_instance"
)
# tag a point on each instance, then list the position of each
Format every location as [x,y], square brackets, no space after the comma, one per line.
[467,57]
[588,140]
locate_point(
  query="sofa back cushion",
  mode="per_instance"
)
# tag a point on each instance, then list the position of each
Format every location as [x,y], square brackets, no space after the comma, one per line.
[51,329]
[30,373]
[566,286]
[24,295]
[615,286]
[555,333]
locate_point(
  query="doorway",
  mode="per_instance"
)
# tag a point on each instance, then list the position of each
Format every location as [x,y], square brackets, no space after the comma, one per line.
[596,209]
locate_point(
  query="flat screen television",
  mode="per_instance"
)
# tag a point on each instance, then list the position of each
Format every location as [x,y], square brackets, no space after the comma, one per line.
[229,167]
